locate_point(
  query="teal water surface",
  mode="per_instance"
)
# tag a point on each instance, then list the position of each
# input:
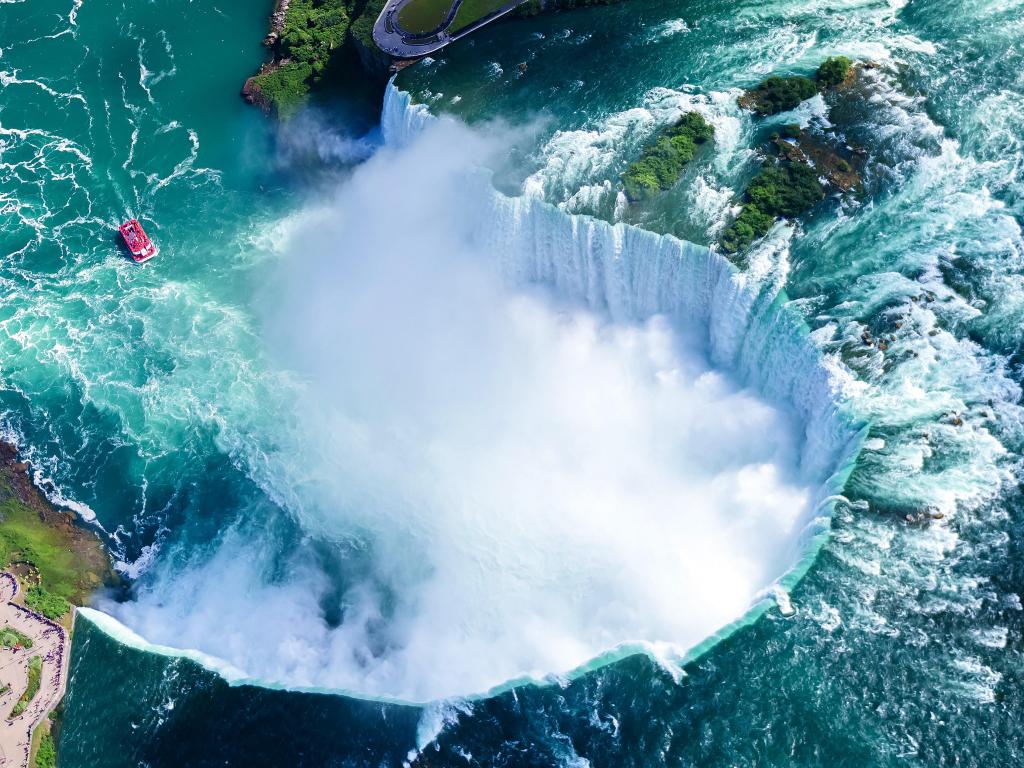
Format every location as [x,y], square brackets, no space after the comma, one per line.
[145,397]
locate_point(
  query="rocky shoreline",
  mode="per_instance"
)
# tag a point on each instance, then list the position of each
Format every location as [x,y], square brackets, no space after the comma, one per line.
[35,533]
[54,562]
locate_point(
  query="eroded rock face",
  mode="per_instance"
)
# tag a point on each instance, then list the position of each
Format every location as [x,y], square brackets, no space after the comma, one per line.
[253,95]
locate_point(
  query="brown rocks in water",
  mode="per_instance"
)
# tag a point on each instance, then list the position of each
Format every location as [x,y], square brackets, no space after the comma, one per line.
[867,339]
[808,149]
[883,345]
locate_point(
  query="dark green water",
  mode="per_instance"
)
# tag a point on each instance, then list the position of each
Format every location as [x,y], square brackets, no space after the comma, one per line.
[149,395]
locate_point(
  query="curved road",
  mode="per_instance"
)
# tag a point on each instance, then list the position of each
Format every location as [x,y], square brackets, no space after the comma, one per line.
[395,41]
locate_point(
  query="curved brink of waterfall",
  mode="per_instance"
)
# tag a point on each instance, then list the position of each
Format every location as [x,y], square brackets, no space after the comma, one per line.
[630,275]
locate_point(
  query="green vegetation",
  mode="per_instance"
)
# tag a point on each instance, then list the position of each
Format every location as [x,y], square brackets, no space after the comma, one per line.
[778,191]
[791,131]
[662,162]
[51,605]
[10,637]
[66,571]
[471,11]
[46,755]
[35,676]
[422,16]
[285,89]
[362,27]
[833,71]
[779,94]
[313,31]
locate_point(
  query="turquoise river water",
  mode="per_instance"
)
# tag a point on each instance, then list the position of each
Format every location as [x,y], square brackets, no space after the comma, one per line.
[418,445]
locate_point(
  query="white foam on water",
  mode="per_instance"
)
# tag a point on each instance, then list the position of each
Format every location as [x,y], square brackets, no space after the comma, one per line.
[552,442]
[579,168]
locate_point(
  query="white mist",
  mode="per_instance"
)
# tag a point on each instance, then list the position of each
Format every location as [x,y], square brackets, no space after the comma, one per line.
[529,483]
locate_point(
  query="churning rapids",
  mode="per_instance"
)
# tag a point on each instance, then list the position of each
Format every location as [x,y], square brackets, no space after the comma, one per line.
[358,421]
[535,442]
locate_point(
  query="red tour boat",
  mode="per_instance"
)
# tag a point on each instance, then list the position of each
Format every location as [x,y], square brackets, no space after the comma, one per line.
[138,242]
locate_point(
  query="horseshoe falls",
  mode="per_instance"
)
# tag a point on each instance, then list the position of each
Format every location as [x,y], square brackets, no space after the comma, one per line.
[420,444]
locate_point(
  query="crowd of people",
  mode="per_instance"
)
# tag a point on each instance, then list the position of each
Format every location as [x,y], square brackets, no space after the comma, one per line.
[52,636]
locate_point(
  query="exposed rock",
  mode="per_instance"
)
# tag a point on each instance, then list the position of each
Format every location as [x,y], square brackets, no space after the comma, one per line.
[831,165]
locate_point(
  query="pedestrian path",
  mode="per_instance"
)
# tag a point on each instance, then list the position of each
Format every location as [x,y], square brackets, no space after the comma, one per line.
[49,641]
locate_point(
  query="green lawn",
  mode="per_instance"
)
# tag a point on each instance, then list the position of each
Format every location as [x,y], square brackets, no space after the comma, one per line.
[35,676]
[472,11]
[422,16]
[10,637]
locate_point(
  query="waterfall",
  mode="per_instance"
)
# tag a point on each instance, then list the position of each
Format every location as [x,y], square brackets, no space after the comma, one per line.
[741,326]
[633,274]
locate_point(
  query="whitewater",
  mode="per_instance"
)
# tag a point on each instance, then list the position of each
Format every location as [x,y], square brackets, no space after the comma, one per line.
[554,459]
[521,484]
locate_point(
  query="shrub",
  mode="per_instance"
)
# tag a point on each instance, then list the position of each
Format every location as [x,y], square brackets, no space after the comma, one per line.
[785,191]
[312,31]
[791,131]
[46,755]
[285,89]
[780,94]
[833,71]
[51,605]
[751,224]
[663,161]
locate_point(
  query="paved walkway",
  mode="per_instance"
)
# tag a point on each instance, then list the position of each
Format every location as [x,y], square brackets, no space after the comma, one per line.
[49,640]
[393,40]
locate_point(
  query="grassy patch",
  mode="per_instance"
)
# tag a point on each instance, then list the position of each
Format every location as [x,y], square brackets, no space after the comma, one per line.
[50,604]
[46,755]
[26,537]
[471,11]
[662,161]
[783,191]
[422,16]
[10,637]
[35,677]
